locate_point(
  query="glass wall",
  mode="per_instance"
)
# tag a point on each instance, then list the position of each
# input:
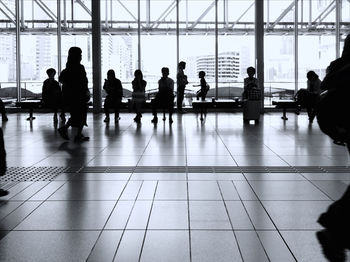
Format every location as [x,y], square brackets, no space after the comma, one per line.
[148,34]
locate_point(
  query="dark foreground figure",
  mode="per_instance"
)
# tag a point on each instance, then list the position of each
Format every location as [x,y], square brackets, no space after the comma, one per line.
[333,118]
[165,97]
[138,94]
[2,111]
[2,162]
[75,94]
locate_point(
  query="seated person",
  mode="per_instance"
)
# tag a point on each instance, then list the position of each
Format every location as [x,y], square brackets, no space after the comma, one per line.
[114,91]
[138,94]
[52,94]
[2,111]
[251,86]
[204,86]
[165,96]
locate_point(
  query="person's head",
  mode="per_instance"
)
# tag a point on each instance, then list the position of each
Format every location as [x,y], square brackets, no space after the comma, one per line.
[346,49]
[251,71]
[201,74]
[138,74]
[165,71]
[311,75]
[182,65]
[51,72]
[110,74]
[74,55]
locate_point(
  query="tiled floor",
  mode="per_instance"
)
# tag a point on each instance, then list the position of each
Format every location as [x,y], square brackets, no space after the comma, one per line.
[169,216]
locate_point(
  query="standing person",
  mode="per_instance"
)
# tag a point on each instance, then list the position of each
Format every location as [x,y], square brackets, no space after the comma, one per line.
[2,111]
[114,90]
[181,85]
[138,94]
[314,90]
[75,94]
[165,96]
[52,94]
[250,83]
[3,166]
[202,93]
[251,97]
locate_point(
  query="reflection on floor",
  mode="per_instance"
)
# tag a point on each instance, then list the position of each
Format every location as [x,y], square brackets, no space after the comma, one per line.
[143,199]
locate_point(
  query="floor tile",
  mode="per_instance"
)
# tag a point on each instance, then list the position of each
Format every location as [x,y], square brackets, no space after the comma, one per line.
[68,215]
[55,246]
[158,176]
[284,214]
[274,176]
[204,190]
[209,215]
[250,246]
[220,246]
[102,176]
[171,190]
[129,249]
[120,215]
[166,245]
[139,215]
[169,215]
[238,216]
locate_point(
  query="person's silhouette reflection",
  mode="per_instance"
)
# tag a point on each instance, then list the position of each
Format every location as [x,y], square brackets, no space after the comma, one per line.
[165,96]
[75,94]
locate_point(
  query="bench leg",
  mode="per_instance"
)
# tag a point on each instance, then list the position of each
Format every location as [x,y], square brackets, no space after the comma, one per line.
[284,117]
[31,117]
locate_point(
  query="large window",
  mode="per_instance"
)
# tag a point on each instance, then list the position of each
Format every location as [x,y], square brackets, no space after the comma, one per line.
[143,34]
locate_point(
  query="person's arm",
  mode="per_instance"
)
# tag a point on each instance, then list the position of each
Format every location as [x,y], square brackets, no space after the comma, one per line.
[2,154]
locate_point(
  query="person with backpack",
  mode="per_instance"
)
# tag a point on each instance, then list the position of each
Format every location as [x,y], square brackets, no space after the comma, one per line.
[313,92]
[114,89]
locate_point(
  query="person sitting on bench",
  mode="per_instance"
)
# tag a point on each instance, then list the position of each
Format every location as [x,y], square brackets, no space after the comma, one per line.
[202,93]
[114,91]
[165,96]
[2,111]
[52,94]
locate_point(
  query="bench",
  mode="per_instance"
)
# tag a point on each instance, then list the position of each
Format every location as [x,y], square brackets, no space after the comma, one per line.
[227,103]
[32,104]
[285,104]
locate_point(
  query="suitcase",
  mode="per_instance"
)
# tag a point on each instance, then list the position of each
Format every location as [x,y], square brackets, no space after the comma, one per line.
[251,110]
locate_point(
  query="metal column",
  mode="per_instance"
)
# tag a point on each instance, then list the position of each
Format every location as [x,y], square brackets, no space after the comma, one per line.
[296,46]
[177,35]
[216,51]
[259,46]
[139,34]
[59,42]
[96,55]
[18,51]
[337,28]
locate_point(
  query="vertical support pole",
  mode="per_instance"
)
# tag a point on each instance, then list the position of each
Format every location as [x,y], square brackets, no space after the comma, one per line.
[111,12]
[226,13]
[268,14]
[337,28]
[139,33]
[301,12]
[72,12]
[96,55]
[148,12]
[177,34]
[259,46]
[296,46]
[310,13]
[106,14]
[22,14]
[65,14]
[59,42]
[186,14]
[216,51]
[33,13]
[18,51]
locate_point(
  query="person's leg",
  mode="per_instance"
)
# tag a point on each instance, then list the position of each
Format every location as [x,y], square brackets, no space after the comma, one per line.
[180,97]
[154,104]
[171,110]
[106,110]
[55,119]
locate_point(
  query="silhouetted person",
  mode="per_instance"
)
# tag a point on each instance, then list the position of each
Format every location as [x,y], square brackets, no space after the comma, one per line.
[114,90]
[138,94]
[314,90]
[2,161]
[165,96]
[2,111]
[333,118]
[52,94]
[202,93]
[181,85]
[75,94]
[250,83]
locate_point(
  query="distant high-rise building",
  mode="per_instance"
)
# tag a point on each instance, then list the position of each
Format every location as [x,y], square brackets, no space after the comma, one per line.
[228,66]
